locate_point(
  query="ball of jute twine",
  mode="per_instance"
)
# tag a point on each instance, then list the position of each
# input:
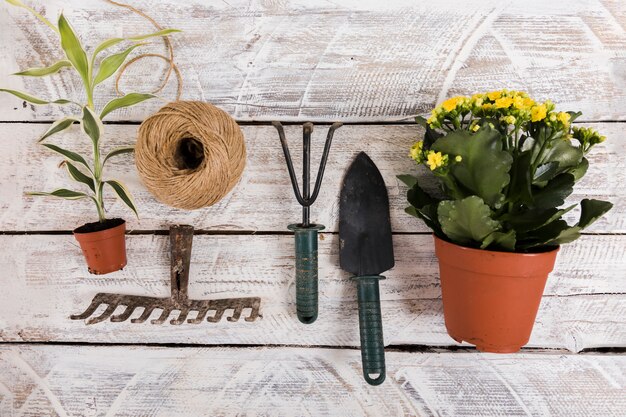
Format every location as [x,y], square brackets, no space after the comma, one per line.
[190,154]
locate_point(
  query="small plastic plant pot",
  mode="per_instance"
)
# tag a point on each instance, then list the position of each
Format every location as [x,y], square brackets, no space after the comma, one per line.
[104,250]
[491,299]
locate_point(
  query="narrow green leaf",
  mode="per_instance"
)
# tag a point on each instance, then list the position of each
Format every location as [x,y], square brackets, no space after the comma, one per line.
[58,126]
[41,72]
[118,151]
[35,100]
[61,193]
[92,125]
[163,32]
[73,49]
[129,99]
[73,156]
[123,194]
[592,210]
[114,41]
[78,175]
[106,44]
[34,13]
[111,64]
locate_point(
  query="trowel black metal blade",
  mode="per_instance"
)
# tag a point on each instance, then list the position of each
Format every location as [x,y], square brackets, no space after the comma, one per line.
[365,243]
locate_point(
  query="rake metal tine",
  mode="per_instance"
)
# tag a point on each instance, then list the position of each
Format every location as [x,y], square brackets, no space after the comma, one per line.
[236,314]
[95,303]
[166,312]
[181,317]
[217,317]
[105,314]
[144,316]
[124,315]
[254,314]
[200,317]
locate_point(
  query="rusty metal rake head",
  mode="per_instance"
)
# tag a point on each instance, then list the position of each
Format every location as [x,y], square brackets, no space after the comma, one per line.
[181,237]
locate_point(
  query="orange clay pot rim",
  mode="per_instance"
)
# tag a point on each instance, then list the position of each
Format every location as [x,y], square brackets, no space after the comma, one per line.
[501,253]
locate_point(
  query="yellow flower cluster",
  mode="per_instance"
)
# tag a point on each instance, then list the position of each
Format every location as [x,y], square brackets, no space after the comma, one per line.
[429,157]
[587,137]
[513,107]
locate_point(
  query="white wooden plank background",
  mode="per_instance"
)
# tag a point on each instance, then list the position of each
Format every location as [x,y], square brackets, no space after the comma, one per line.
[263,200]
[352,60]
[296,60]
[45,281]
[140,381]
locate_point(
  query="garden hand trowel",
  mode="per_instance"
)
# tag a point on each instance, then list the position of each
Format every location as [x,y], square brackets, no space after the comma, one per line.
[366,250]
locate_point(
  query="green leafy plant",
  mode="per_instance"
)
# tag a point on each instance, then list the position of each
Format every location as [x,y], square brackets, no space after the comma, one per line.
[92,71]
[506,165]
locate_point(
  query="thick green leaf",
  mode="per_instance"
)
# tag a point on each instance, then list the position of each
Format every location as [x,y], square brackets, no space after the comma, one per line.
[92,125]
[519,188]
[58,126]
[62,193]
[118,151]
[500,240]
[546,172]
[430,135]
[567,235]
[579,171]
[591,210]
[555,192]
[428,214]
[466,221]
[78,175]
[35,100]
[529,220]
[418,197]
[123,194]
[73,156]
[73,49]
[484,170]
[111,64]
[409,180]
[41,72]
[129,99]
[564,153]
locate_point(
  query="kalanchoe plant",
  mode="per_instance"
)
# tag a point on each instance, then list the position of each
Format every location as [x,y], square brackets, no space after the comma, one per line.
[506,165]
[92,71]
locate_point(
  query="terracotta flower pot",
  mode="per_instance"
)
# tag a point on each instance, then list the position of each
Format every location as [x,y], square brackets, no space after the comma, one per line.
[490,299]
[104,245]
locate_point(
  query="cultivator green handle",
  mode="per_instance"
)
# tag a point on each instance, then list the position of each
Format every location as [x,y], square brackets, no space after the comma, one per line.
[306,271]
[371,328]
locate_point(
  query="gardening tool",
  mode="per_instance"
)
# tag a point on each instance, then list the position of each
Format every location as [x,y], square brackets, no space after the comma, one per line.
[366,250]
[181,237]
[305,233]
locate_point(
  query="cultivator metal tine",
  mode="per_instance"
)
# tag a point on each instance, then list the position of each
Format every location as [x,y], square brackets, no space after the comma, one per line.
[255,304]
[200,317]
[95,303]
[164,315]
[236,314]
[124,315]
[217,317]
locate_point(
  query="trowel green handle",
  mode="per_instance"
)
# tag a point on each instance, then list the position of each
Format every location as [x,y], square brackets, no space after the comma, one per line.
[306,271]
[371,327]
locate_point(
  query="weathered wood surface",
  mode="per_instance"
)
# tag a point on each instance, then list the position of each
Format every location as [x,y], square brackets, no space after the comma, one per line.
[45,281]
[140,381]
[263,200]
[355,60]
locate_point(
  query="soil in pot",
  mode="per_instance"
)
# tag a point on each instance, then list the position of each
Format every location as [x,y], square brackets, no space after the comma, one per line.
[491,299]
[103,245]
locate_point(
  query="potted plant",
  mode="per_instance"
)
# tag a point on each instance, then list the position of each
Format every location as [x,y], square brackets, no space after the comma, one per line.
[103,241]
[505,165]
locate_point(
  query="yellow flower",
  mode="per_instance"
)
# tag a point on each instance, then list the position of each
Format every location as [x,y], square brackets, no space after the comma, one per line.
[528,102]
[563,117]
[458,158]
[552,117]
[509,119]
[487,106]
[538,112]
[518,102]
[494,95]
[504,102]
[435,160]
[450,104]
[475,128]
[416,150]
